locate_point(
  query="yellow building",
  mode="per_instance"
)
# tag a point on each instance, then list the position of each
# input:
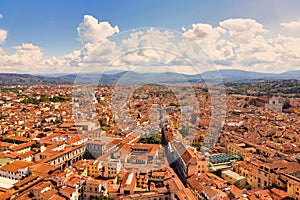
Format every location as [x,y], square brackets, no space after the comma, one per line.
[94,188]
[94,168]
[111,169]
[232,177]
[234,149]
[241,149]
[293,187]
[250,171]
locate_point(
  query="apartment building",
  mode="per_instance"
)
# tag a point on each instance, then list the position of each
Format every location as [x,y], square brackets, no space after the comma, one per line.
[15,170]
[233,178]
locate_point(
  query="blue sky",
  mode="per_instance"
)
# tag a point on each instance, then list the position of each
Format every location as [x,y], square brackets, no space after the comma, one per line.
[52,24]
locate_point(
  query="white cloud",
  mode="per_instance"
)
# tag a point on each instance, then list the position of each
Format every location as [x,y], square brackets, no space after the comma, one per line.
[2,52]
[91,31]
[242,30]
[294,25]
[67,61]
[28,51]
[1,16]
[225,50]
[256,50]
[27,57]
[287,48]
[209,38]
[202,32]
[243,44]
[3,35]
[30,58]
[104,52]
[234,43]
[149,46]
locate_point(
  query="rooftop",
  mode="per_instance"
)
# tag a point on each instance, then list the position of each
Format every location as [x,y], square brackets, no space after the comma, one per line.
[221,158]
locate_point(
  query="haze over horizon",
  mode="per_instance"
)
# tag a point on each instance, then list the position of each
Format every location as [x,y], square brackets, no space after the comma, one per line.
[49,38]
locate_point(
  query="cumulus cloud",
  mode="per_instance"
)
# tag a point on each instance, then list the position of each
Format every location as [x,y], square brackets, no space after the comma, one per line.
[3,35]
[149,46]
[202,32]
[294,25]
[210,40]
[92,31]
[288,49]
[26,57]
[242,29]
[28,51]
[248,44]
[233,43]
[243,44]
[2,52]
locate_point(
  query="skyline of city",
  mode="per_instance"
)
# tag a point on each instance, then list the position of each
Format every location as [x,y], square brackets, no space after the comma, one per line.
[149,100]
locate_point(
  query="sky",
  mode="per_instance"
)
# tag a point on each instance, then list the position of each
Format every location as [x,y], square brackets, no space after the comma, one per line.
[55,36]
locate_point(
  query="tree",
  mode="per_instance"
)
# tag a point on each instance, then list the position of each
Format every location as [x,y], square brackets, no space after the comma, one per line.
[198,146]
[174,104]
[154,139]
[57,121]
[286,104]
[237,184]
[205,89]
[184,131]
[217,172]
[35,146]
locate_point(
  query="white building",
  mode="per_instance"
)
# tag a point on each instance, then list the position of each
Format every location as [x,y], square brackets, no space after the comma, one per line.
[15,170]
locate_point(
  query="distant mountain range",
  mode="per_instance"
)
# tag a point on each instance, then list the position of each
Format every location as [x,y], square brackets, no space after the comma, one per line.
[248,75]
[26,79]
[133,77]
